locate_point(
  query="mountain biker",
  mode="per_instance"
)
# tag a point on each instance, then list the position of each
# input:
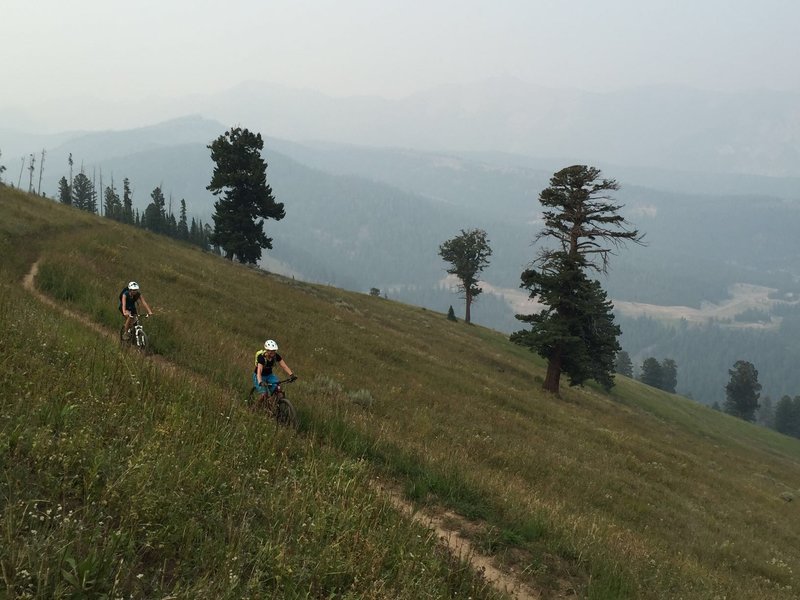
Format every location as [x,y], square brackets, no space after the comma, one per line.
[263,379]
[128,298]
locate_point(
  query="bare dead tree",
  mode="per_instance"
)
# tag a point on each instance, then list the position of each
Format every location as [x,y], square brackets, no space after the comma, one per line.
[41,168]
[31,168]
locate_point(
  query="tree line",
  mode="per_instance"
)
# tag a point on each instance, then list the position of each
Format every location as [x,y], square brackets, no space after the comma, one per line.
[742,392]
[662,375]
[81,192]
[742,400]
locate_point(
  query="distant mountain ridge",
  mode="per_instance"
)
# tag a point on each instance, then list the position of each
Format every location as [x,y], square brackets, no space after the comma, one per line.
[669,127]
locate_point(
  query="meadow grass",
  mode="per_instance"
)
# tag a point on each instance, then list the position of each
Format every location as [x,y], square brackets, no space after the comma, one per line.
[636,494]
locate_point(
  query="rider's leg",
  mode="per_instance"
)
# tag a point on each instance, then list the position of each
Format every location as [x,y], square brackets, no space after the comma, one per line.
[129,322]
[261,390]
[272,381]
[126,326]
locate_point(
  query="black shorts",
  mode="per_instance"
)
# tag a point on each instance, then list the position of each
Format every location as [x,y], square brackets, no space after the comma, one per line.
[132,310]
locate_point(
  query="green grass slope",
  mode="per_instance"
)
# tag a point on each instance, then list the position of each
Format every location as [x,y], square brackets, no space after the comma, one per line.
[146,477]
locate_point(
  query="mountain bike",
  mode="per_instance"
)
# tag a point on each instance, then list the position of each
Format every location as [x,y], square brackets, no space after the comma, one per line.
[137,337]
[275,404]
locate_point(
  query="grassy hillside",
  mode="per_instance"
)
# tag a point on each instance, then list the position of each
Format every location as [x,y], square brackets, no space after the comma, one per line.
[147,477]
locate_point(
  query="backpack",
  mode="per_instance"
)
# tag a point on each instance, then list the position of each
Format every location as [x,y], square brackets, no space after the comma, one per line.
[122,293]
[259,353]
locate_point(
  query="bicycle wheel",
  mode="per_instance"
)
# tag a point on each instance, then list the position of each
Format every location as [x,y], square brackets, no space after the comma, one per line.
[141,340]
[285,414]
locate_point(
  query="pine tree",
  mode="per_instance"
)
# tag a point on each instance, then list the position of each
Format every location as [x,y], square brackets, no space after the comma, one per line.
[64,195]
[172,226]
[154,217]
[669,375]
[624,366]
[575,331]
[787,416]
[468,254]
[183,227]
[742,391]
[451,314]
[112,205]
[127,202]
[83,193]
[652,373]
[246,201]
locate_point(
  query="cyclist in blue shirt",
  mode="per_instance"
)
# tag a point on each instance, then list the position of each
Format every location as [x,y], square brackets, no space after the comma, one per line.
[263,378]
[128,298]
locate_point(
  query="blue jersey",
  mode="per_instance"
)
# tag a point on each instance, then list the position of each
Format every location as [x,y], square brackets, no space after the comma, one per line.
[130,302]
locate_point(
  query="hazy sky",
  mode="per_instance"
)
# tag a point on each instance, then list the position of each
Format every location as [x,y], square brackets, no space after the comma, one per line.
[135,50]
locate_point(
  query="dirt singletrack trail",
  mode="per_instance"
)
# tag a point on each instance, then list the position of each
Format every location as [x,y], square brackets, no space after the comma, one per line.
[459,546]
[29,283]
[455,543]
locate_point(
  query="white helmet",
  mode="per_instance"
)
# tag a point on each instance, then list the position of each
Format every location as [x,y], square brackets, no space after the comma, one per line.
[270,345]
[133,285]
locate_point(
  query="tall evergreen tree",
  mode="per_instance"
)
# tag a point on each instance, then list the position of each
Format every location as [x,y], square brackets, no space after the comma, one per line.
[127,202]
[576,331]
[172,226]
[623,365]
[742,391]
[246,201]
[669,375]
[183,227]
[468,254]
[787,416]
[652,373]
[112,205]
[83,193]
[154,217]
[64,194]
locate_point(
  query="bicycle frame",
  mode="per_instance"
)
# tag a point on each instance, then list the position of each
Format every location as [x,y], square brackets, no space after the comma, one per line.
[138,337]
[277,389]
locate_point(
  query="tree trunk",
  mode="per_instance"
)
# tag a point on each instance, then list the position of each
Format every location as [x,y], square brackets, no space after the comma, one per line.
[553,377]
[468,297]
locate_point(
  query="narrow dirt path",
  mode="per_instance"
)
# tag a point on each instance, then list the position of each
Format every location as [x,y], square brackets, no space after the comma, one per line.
[451,539]
[29,283]
[459,546]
